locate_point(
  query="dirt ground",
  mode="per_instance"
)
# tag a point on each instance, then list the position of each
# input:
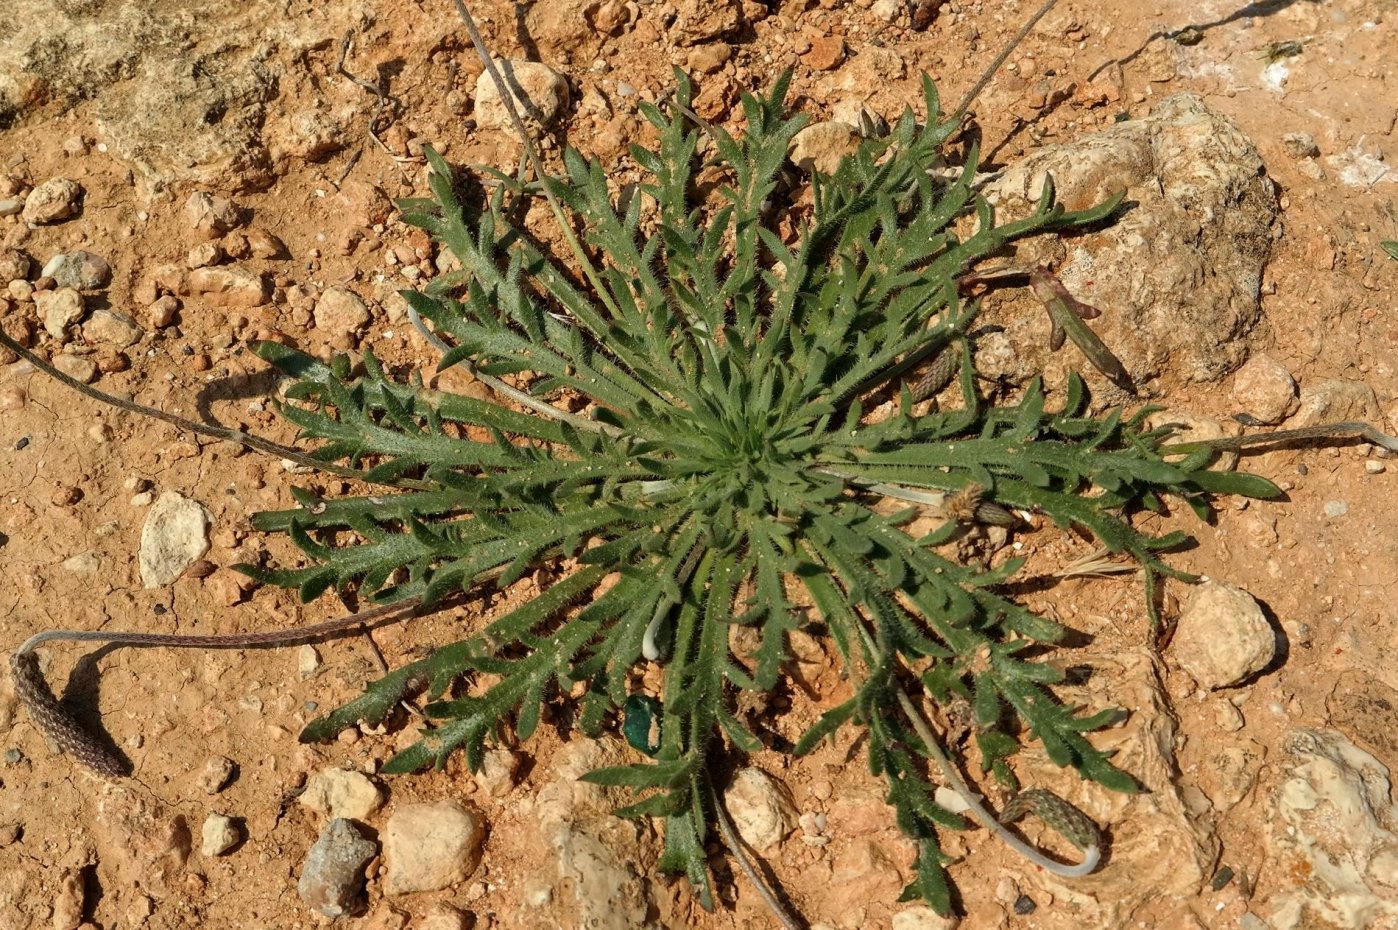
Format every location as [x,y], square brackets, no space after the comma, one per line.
[143,107]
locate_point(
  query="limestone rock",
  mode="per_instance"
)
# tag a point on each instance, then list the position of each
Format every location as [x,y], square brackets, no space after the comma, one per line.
[1222,637]
[429,847]
[341,310]
[175,535]
[544,89]
[59,309]
[340,793]
[1332,821]
[1178,275]
[229,287]
[53,201]
[821,146]
[1264,389]
[762,812]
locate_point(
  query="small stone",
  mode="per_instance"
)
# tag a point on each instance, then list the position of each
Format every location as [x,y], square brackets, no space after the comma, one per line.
[14,265]
[1024,905]
[889,10]
[333,873]
[762,812]
[59,309]
[204,254]
[821,146]
[922,917]
[1300,145]
[1374,467]
[162,312]
[175,535]
[307,662]
[82,270]
[341,310]
[108,327]
[498,770]
[84,563]
[611,18]
[53,201]
[13,397]
[217,773]
[229,287]
[218,835]
[68,901]
[1336,399]
[1222,637]
[445,917]
[1335,509]
[78,367]
[710,57]
[263,244]
[826,53]
[429,847]
[10,206]
[210,216]
[1264,389]
[341,793]
[544,88]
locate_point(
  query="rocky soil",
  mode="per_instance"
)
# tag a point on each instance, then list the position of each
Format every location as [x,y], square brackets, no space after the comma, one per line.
[179,178]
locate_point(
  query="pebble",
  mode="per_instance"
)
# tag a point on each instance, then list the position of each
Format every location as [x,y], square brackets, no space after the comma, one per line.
[1374,467]
[445,917]
[210,216]
[307,661]
[498,770]
[922,917]
[1222,636]
[333,873]
[14,265]
[710,57]
[59,309]
[264,245]
[10,206]
[545,89]
[826,53]
[53,201]
[162,312]
[339,793]
[82,270]
[821,146]
[108,327]
[611,18]
[1265,389]
[175,535]
[1024,905]
[204,255]
[78,367]
[761,810]
[68,901]
[1335,399]
[340,310]
[217,773]
[84,563]
[218,835]
[889,10]
[229,287]
[1300,145]
[20,290]
[428,847]
[1336,508]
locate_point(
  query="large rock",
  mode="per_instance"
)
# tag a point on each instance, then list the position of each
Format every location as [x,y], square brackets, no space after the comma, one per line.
[1177,274]
[1332,853]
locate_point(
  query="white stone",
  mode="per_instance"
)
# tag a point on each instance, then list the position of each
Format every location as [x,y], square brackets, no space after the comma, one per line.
[922,917]
[59,309]
[1330,819]
[762,812]
[1336,399]
[428,847]
[340,310]
[52,201]
[219,834]
[341,793]
[1222,637]
[174,537]
[545,88]
[820,146]
[1265,389]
